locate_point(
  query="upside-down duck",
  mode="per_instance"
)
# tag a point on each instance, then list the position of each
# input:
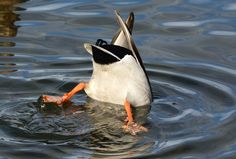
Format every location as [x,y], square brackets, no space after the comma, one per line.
[118,77]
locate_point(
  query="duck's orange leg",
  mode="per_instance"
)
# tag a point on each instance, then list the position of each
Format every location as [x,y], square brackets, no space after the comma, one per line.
[128,111]
[60,100]
[76,89]
[132,127]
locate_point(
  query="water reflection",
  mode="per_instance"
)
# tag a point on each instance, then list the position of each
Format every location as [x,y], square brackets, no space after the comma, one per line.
[8,18]
[7,29]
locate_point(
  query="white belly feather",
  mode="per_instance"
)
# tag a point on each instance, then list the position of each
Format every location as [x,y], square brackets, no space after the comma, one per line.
[116,82]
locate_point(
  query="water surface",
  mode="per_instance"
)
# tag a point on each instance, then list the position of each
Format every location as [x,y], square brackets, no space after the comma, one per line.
[188,48]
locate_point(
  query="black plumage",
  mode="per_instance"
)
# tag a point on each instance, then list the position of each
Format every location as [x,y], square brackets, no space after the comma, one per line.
[103,58]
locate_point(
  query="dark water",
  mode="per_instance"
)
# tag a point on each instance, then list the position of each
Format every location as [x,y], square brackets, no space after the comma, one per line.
[189,50]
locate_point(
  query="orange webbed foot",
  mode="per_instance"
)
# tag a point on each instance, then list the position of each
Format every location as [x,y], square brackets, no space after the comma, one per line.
[130,126]
[52,99]
[58,100]
[134,128]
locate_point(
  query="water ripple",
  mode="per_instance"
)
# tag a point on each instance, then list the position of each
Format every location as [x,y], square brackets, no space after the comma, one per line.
[222,33]
[192,23]
[49,7]
[230,7]
[192,76]
[30,23]
[211,83]
[84,13]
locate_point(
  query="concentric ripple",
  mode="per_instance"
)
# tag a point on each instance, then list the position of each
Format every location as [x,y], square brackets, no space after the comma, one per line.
[188,48]
[185,110]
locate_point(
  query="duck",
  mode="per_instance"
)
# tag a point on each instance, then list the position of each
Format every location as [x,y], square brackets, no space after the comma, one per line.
[118,77]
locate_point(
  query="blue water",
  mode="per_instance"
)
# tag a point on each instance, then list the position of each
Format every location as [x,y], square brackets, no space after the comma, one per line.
[189,51]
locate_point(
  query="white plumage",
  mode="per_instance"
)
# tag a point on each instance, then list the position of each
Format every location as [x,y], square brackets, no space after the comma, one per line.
[119,81]
[123,80]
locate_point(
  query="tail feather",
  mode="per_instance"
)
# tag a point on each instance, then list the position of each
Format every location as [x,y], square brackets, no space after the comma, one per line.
[129,40]
[131,44]
[119,38]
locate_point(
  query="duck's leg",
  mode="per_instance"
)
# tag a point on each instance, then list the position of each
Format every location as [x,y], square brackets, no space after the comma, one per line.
[76,89]
[132,127]
[66,97]
[129,112]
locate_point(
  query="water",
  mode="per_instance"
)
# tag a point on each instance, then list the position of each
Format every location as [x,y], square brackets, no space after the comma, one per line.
[188,48]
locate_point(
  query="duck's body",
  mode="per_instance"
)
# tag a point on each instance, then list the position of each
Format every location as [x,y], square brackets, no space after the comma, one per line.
[119,76]
[119,81]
